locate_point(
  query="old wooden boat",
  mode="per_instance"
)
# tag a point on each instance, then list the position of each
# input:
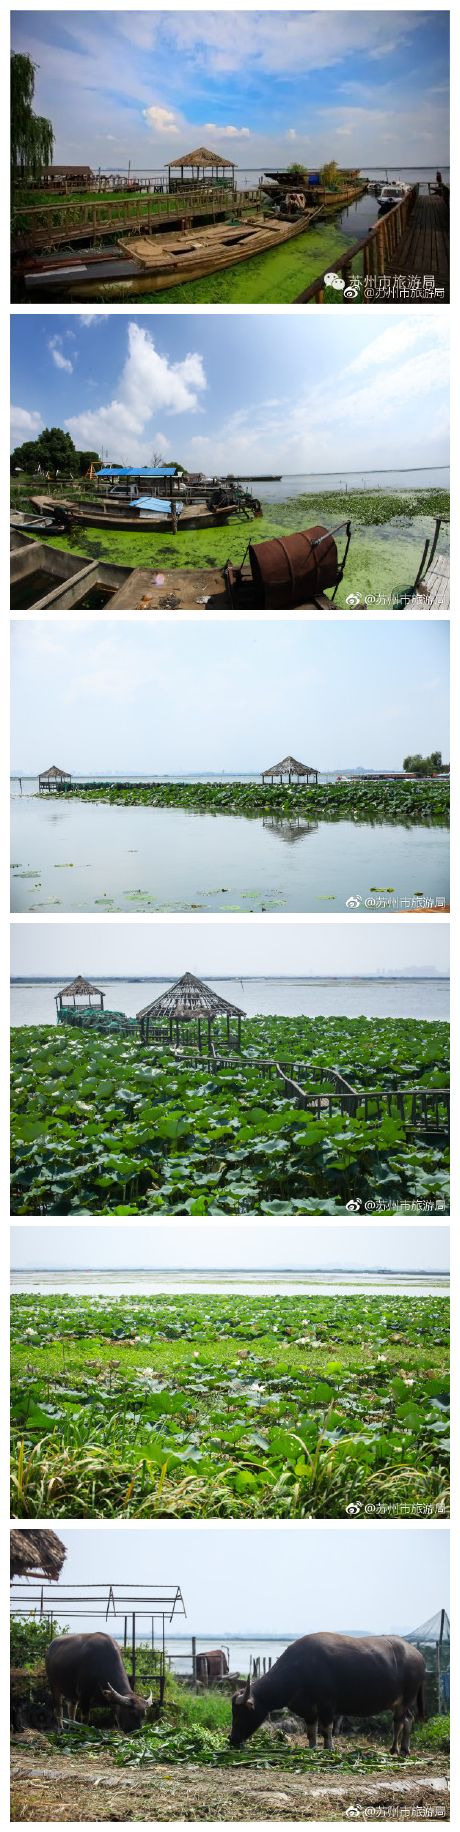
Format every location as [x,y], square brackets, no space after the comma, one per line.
[145,515]
[297,570]
[159,261]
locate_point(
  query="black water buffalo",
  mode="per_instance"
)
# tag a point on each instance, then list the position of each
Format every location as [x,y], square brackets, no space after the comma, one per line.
[322,1677]
[211,1665]
[85,1667]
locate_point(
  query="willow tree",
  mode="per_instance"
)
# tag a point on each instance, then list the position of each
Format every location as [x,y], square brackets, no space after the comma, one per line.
[32,137]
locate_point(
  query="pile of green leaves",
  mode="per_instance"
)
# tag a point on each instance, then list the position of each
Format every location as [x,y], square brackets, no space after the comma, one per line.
[103,1125]
[368,802]
[164,1743]
[323,1401]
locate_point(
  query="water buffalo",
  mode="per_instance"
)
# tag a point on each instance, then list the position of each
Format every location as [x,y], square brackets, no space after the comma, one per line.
[322,1677]
[85,1667]
[211,1665]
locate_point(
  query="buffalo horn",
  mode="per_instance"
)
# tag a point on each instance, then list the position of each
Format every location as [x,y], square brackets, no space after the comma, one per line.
[247,1690]
[121,1697]
[148,1701]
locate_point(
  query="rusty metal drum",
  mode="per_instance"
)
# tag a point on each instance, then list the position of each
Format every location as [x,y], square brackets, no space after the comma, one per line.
[293,569]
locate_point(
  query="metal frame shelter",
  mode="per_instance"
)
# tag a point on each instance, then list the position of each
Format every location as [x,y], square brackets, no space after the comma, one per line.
[79,989]
[198,163]
[189,999]
[290,767]
[53,778]
[105,1603]
[435,1634]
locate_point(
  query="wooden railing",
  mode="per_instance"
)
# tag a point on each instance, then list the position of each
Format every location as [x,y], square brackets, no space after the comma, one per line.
[51,224]
[418,1108]
[376,250]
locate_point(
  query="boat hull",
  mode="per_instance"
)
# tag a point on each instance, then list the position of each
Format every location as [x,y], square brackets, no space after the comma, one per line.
[76,515]
[159,269]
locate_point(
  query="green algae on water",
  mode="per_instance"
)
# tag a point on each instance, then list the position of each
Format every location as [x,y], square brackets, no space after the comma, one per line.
[388,536]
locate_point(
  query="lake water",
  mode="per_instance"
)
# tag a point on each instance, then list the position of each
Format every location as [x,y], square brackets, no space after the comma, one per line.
[33,1003]
[140,859]
[307,483]
[251,1284]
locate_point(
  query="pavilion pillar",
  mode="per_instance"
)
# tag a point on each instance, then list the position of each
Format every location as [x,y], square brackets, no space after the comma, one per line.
[239,1033]
[228,1025]
[209,1036]
[199,1035]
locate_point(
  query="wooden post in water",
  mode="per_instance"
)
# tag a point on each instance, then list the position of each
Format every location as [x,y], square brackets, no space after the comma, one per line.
[194,1659]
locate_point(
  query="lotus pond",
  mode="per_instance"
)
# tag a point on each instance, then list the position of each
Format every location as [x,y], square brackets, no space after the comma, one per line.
[229,1406]
[388,537]
[103,1125]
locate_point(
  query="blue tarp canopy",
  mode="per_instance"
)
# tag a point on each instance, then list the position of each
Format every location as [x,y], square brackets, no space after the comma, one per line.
[157,503]
[132,470]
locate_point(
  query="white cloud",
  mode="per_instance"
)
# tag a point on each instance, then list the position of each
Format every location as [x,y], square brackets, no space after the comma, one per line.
[240,133]
[163,120]
[62,362]
[87,318]
[24,424]
[149,384]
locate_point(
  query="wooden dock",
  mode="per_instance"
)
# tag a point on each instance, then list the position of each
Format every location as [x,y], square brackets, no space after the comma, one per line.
[405,250]
[423,249]
[435,587]
[64,222]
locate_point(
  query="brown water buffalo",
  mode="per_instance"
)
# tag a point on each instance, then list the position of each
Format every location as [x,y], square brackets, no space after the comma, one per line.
[322,1677]
[211,1665]
[85,1667]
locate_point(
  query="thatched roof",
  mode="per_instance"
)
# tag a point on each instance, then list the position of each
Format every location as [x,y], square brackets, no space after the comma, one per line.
[79,989]
[53,773]
[36,1551]
[67,171]
[291,764]
[201,156]
[190,998]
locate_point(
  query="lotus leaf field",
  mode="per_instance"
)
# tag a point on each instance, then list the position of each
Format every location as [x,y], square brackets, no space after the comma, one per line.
[102,1124]
[230,1406]
[411,803]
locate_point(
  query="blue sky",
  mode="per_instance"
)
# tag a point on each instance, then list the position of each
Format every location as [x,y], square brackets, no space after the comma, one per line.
[238,391]
[249,1578]
[362,87]
[267,1247]
[336,694]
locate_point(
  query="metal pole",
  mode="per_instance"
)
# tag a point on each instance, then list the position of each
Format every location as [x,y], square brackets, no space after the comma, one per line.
[194,1659]
[134,1653]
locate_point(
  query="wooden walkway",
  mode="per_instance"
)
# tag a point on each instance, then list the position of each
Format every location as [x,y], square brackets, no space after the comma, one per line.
[435,586]
[424,249]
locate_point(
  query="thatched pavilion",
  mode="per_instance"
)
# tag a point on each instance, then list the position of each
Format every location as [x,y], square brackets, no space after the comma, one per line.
[290,767]
[201,167]
[189,999]
[79,989]
[53,778]
[36,1553]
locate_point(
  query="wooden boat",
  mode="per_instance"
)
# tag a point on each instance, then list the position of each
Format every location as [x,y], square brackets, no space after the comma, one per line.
[71,581]
[98,515]
[155,262]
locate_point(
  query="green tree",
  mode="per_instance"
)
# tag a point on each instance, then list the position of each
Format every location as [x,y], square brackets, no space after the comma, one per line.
[54,450]
[424,766]
[298,171]
[329,173]
[32,137]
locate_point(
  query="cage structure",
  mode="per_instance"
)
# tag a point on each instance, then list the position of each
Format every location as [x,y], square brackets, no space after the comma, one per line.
[433,1641]
[109,1606]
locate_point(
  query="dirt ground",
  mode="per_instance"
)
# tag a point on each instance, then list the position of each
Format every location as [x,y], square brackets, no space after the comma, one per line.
[47,1786]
